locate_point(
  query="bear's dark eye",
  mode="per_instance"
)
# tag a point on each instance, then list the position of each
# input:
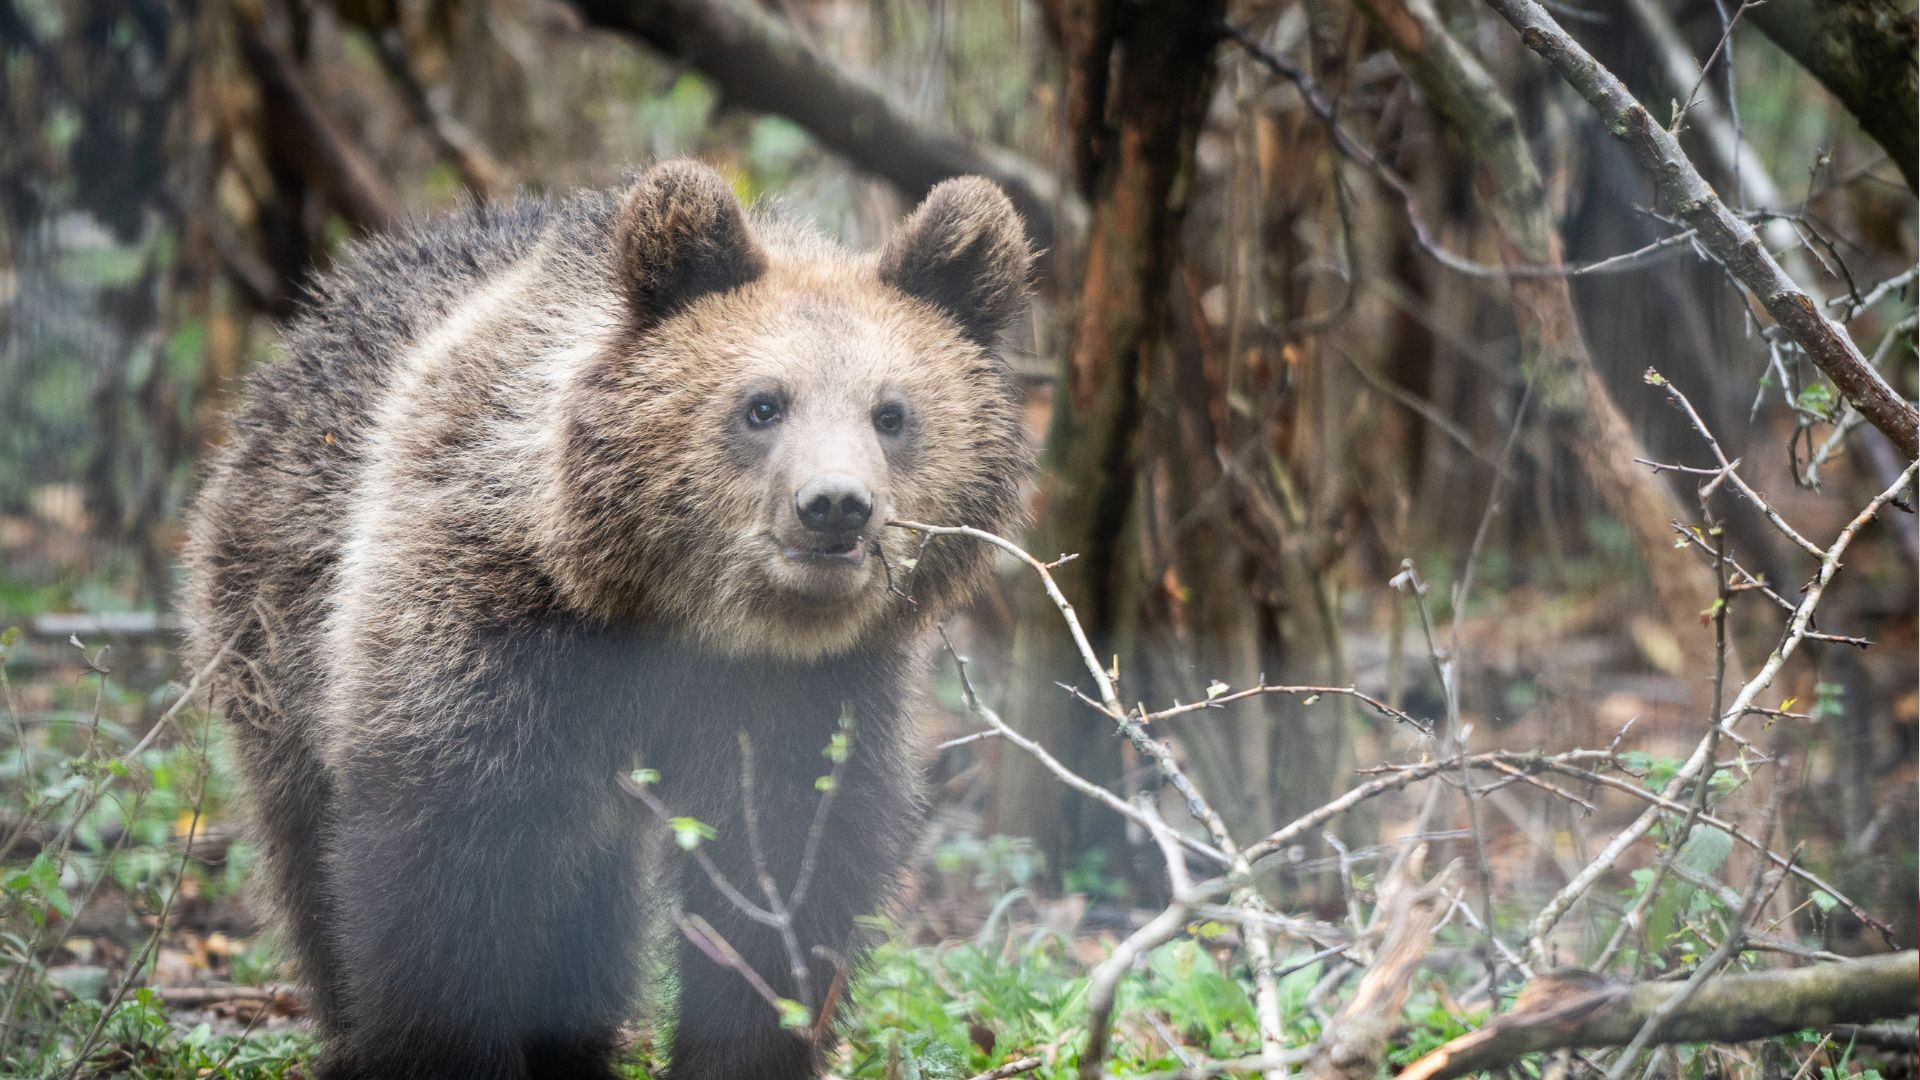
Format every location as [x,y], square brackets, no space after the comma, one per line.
[890,418]
[762,410]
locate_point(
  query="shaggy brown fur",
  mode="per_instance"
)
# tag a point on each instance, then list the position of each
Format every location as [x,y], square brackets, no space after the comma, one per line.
[520,503]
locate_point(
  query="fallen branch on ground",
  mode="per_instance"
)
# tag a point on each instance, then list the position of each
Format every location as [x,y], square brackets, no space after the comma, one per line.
[1408,914]
[1574,1009]
[193,997]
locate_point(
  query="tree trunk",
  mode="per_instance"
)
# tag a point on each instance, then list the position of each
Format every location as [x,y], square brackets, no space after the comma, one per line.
[1862,51]
[1145,112]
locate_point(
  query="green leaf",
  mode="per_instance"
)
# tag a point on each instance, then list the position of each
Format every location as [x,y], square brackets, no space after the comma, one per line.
[44,872]
[690,832]
[838,748]
[1706,850]
[1817,398]
[793,1015]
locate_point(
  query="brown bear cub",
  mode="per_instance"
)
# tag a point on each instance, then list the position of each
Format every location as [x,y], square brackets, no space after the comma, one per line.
[544,488]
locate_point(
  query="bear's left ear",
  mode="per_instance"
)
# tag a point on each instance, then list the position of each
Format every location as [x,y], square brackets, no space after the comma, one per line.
[965,252]
[679,235]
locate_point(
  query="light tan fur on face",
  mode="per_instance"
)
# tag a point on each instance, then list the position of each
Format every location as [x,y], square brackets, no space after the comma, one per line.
[818,325]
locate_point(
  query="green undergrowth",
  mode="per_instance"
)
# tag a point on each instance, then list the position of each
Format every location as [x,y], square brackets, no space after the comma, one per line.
[941,1012]
[98,818]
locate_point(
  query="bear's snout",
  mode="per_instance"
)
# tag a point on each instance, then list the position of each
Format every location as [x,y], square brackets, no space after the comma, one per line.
[834,503]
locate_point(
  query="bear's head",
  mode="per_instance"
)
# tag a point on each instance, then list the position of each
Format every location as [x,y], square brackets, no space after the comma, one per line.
[729,465]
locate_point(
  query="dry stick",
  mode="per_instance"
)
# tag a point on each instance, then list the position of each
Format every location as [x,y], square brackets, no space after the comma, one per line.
[1749,581]
[1259,1063]
[1728,238]
[1259,947]
[1566,764]
[1727,467]
[1784,862]
[718,949]
[1331,938]
[1012,1068]
[159,927]
[1703,787]
[1407,917]
[1425,727]
[1103,982]
[1307,823]
[1736,935]
[1534,781]
[193,997]
[992,719]
[1796,632]
[1721,133]
[186,695]
[1734,1008]
[750,813]
[1446,671]
[1351,147]
[816,832]
[1902,332]
[705,861]
[1109,700]
[1855,306]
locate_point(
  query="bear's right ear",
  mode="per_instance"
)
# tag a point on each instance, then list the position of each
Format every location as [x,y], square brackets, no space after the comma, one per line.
[681,235]
[965,252]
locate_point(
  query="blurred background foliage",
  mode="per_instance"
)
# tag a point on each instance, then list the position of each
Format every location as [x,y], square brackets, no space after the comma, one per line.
[1259,388]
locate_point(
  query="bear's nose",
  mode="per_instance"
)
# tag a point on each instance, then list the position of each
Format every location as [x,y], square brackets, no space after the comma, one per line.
[834,503]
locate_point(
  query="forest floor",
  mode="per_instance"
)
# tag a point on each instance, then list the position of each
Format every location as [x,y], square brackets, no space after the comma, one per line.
[129,949]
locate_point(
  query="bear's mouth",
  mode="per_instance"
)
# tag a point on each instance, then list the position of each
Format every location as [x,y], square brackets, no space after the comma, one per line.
[851,551]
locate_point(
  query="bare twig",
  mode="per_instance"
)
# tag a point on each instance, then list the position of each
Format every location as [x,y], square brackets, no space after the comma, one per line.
[1258,946]
[1721,232]
[750,812]
[1797,629]
[1354,149]
[1697,981]
[1224,699]
[1582,1009]
[724,887]
[716,948]
[1067,776]
[1016,1067]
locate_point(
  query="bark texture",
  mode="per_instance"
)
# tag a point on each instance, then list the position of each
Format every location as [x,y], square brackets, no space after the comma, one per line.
[1864,52]
[758,62]
[1139,154]
[1583,415]
[1574,1009]
[1731,240]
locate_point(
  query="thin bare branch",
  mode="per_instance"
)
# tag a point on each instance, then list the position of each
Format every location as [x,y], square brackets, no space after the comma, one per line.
[1730,239]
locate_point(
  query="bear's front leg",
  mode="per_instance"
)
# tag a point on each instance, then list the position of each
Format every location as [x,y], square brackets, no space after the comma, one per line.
[725,1028]
[485,920]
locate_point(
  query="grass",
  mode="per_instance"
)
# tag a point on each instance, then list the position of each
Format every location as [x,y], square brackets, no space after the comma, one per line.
[109,821]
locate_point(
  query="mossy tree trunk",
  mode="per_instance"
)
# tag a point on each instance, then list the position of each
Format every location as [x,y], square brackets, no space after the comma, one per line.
[1138,80]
